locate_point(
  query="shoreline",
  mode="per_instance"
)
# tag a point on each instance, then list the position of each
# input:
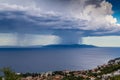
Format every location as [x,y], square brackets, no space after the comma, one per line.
[105,71]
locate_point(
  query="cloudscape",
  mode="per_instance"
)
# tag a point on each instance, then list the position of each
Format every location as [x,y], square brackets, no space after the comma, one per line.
[25,22]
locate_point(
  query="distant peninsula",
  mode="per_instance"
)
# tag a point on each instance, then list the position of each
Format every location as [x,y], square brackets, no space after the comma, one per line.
[50,46]
[69,46]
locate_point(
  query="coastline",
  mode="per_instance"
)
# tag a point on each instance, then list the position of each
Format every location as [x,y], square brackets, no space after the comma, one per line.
[103,72]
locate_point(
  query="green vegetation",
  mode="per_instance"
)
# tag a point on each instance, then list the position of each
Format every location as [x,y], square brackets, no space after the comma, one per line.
[104,70]
[30,74]
[115,78]
[74,78]
[110,69]
[0,78]
[58,73]
[9,74]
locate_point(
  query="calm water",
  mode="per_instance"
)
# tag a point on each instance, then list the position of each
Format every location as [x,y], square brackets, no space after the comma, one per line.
[41,60]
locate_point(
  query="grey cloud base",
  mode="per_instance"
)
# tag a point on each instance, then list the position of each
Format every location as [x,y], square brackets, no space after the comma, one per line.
[68,31]
[70,20]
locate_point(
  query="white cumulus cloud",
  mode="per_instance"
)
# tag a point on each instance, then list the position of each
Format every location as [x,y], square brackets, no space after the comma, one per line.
[62,18]
[97,17]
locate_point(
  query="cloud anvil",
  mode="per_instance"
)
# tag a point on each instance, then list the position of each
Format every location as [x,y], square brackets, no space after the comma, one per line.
[70,20]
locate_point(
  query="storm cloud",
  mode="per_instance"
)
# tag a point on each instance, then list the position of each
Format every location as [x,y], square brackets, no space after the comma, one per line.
[70,20]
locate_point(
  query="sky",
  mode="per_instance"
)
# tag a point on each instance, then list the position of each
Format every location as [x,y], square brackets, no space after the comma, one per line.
[116,8]
[44,22]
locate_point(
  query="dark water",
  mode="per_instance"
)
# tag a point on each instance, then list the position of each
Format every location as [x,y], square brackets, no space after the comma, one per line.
[41,60]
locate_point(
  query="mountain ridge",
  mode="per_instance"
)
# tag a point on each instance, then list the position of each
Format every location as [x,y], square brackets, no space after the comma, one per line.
[69,46]
[54,46]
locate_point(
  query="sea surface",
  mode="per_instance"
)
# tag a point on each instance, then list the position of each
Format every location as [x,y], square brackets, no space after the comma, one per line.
[42,60]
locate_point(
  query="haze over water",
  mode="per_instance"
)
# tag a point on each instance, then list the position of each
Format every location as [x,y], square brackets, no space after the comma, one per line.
[43,59]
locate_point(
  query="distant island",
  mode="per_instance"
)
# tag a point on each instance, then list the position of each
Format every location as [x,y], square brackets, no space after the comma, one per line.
[50,46]
[69,46]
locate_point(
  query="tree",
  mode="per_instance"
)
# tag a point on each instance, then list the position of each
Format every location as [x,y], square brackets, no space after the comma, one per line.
[9,74]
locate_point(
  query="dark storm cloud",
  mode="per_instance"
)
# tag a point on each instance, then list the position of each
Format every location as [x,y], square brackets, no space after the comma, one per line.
[70,20]
[94,2]
[87,18]
[20,22]
[67,2]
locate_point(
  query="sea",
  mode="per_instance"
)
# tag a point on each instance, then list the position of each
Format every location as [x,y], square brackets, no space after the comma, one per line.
[56,59]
